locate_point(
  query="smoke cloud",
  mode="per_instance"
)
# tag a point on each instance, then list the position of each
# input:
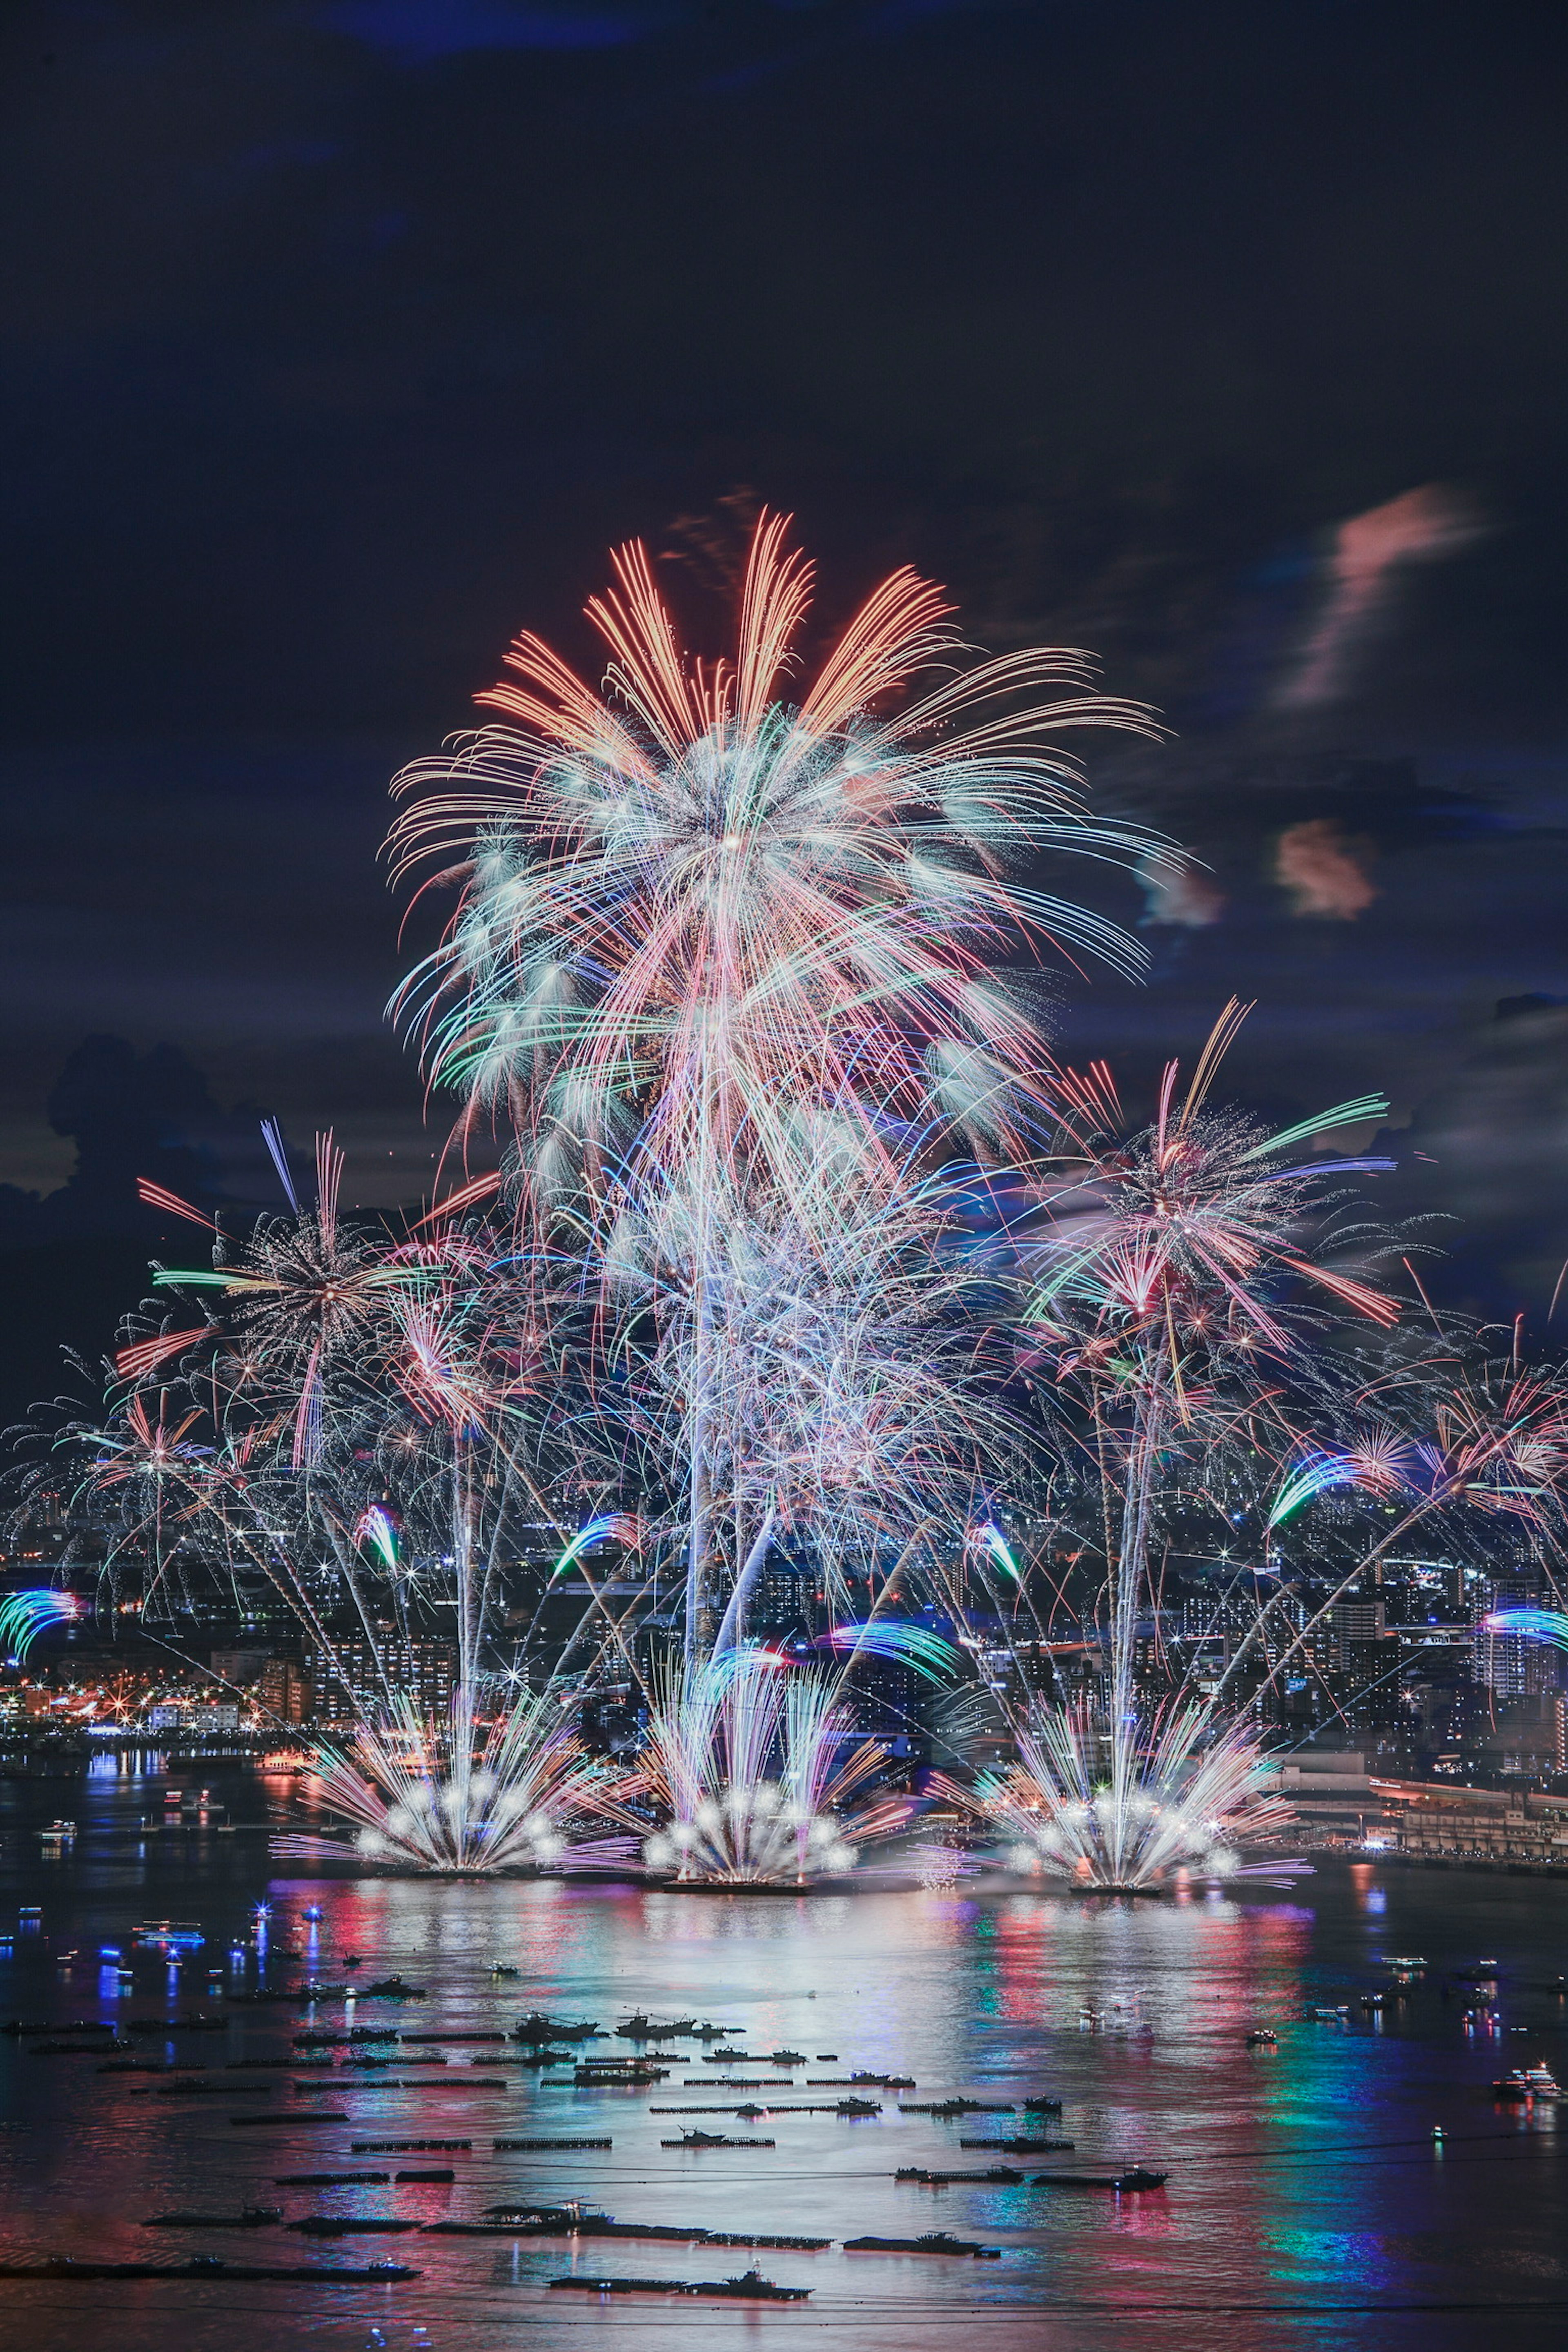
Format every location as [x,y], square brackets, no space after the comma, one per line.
[1313,861]
[1418,527]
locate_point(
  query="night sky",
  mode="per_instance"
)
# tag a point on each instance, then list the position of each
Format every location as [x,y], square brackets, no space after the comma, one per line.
[343,336]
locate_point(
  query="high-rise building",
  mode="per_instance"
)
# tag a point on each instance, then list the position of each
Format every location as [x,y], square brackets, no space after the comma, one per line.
[417,1668]
[287,1690]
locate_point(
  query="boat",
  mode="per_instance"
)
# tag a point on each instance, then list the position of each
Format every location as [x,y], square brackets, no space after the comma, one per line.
[1528,2082]
[860,2082]
[1403,1960]
[428,2173]
[178,1935]
[1042,2106]
[930,2242]
[750,2287]
[785,2058]
[927,2179]
[702,2139]
[500,1968]
[1262,2037]
[1136,2176]
[536,2027]
[351,1960]
[643,2027]
[249,2217]
[391,1988]
[709,2032]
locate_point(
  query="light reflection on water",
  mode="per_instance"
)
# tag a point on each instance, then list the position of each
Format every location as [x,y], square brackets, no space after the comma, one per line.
[1307,2176]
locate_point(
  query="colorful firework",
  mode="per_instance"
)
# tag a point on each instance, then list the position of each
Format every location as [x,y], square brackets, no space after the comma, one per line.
[25,1615]
[751,1766]
[1197,1800]
[466,1798]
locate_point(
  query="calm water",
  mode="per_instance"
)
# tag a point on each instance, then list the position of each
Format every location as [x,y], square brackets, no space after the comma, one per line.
[1306,2204]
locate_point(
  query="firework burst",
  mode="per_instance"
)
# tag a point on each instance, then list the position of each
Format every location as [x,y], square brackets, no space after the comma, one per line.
[1064,1809]
[752,1767]
[466,1798]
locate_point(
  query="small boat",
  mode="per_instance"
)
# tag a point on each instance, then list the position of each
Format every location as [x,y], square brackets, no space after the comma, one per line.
[177,1935]
[500,1968]
[930,2242]
[1528,2082]
[1262,2037]
[785,2058]
[1403,1960]
[704,2139]
[392,1988]
[249,2217]
[1330,2016]
[1042,2106]
[750,2287]
[429,2173]
[708,2032]
[536,2027]
[1137,2175]
[351,1960]
[927,2179]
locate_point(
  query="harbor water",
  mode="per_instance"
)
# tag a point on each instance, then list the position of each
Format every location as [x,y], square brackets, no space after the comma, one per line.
[1308,2199]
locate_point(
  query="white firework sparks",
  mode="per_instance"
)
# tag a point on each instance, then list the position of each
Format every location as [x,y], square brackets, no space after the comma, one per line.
[746,1761]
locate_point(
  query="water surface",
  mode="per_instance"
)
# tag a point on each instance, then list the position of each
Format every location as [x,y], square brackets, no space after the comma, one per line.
[1308,2202]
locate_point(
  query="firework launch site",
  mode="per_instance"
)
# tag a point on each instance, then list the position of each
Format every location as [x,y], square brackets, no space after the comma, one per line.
[809,1431]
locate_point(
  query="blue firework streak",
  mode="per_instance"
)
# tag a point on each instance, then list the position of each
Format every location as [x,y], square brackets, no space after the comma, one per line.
[1314,1476]
[25,1615]
[1530,1624]
[916,1645]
